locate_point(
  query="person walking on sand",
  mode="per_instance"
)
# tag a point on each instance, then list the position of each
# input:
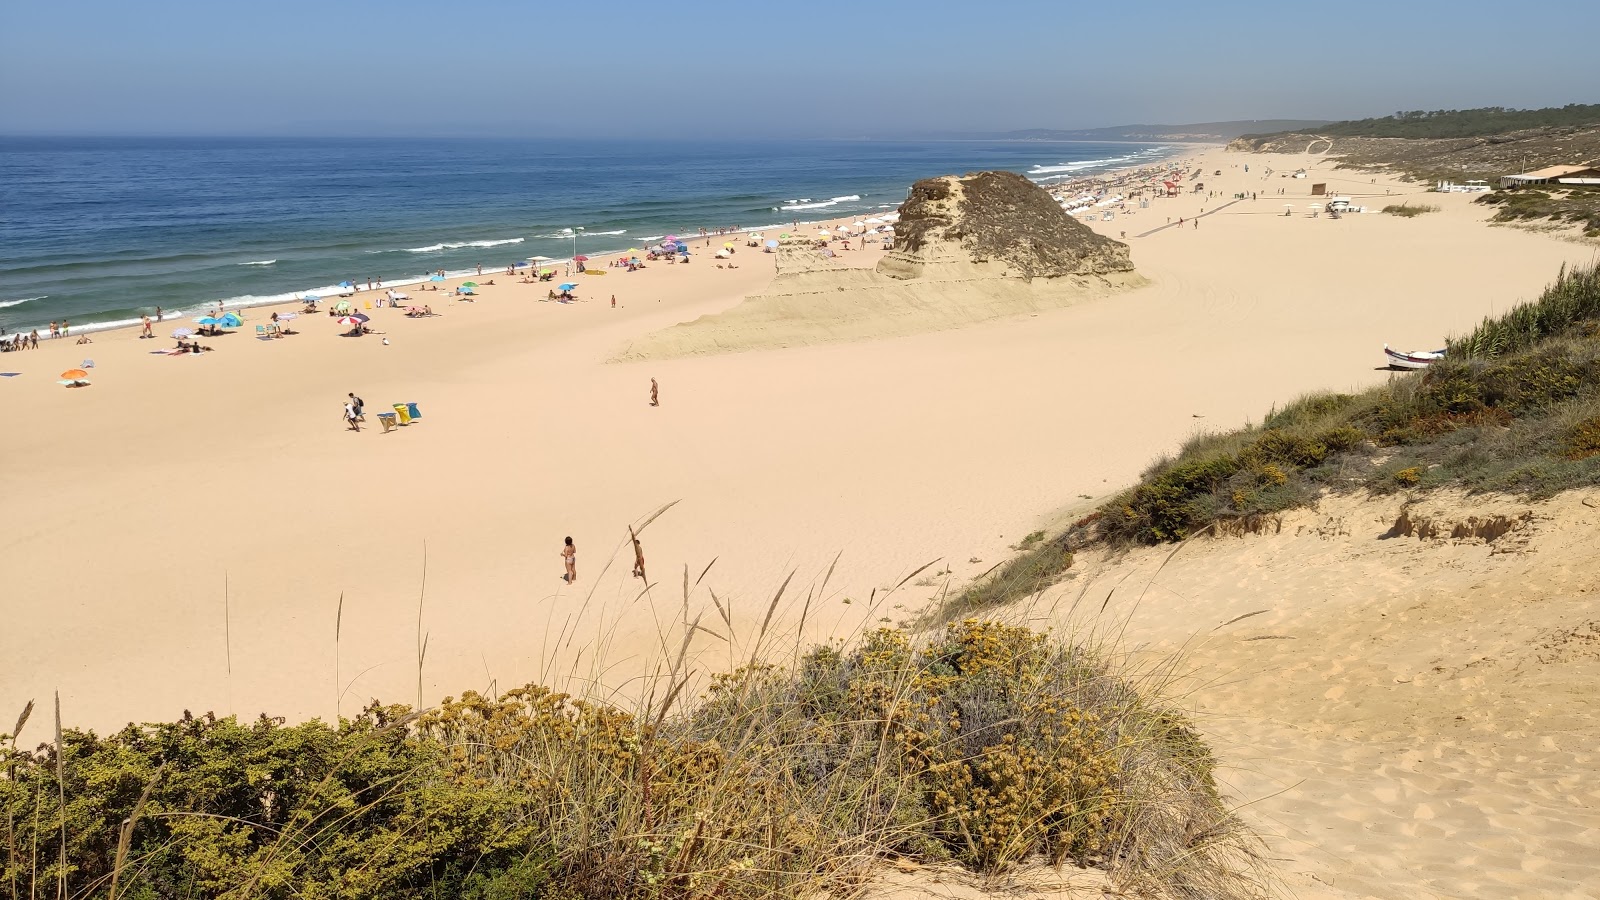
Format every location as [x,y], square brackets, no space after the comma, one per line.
[359,404]
[146,332]
[613,301]
[655,393]
[350,415]
[569,555]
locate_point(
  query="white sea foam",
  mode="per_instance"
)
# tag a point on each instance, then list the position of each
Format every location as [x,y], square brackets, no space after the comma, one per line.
[805,203]
[5,304]
[457,245]
[618,231]
[259,262]
[1067,170]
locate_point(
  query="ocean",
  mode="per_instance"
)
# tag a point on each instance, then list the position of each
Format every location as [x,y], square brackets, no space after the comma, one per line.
[98,231]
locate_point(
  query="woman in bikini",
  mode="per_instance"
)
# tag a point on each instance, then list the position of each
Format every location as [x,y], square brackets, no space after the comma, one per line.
[569,553]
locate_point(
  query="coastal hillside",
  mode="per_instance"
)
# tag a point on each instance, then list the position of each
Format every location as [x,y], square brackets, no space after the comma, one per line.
[1448,144]
[1449,123]
[1513,408]
[966,249]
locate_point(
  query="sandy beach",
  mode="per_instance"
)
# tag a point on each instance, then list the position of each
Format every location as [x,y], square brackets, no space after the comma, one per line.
[179,535]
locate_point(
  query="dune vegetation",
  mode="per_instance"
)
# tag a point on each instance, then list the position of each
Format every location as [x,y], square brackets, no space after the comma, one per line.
[986,745]
[1514,407]
[1409,210]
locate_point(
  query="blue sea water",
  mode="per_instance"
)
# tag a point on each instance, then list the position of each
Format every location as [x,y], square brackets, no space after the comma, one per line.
[99,231]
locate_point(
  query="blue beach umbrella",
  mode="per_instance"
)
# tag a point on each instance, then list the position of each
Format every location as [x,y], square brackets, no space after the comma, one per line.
[207,320]
[345,284]
[230,321]
[465,290]
[567,287]
[311,298]
[436,278]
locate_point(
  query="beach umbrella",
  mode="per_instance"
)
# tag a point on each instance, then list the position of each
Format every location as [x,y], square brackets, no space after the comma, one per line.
[74,374]
[567,287]
[363,318]
[230,321]
[465,290]
[634,251]
[285,317]
[311,298]
[547,271]
[772,243]
[348,320]
[435,277]
[182,332]
[469,284]
[671,239]
[345,284]
[580,259]
[207,320]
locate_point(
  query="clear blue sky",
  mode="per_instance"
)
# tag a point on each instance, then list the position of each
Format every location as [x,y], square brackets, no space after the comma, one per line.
[762,69]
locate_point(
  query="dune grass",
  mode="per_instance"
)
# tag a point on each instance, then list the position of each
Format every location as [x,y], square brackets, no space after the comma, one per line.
[1409,210]
[793,773]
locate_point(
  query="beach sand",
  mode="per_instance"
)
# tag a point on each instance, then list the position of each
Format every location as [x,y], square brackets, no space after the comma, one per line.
[180,534]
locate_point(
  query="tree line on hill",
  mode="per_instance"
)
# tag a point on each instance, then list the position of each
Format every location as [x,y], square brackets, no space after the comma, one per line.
[1461,123]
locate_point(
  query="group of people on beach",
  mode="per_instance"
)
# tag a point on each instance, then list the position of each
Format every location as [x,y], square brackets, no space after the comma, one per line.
[19,341]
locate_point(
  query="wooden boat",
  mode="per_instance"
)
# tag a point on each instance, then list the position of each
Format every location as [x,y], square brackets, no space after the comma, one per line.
[1416,359]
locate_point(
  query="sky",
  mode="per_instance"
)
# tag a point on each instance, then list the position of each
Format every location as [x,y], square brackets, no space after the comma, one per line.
[755,69]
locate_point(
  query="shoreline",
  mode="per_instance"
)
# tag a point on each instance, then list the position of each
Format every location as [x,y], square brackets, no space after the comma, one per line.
[286,299]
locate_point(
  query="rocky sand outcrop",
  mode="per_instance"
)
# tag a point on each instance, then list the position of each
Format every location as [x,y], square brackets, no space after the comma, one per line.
[995,224]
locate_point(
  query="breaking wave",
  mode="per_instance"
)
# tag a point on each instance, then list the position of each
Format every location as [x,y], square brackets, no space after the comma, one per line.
[5,304]
[805,203]
[457,245]
[259,262]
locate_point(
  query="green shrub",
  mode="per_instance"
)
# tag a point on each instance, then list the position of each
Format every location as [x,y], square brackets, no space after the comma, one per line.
[987,745]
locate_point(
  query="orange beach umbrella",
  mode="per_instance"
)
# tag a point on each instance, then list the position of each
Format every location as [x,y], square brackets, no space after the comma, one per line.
[74,374]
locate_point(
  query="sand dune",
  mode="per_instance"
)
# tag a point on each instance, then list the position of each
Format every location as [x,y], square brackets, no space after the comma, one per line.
[814,300]
[1403,717]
